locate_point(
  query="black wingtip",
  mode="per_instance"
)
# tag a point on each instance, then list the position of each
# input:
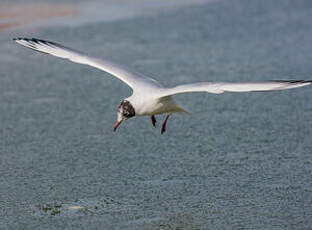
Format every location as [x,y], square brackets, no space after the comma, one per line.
[293,81]
[38,41]
[30,43]
[20,38]
[27,39]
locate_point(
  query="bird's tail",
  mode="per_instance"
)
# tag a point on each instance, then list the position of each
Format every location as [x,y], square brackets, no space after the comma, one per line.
[182,111]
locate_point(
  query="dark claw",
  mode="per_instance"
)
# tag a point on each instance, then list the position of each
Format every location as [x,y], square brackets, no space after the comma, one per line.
[163,127]
[153,120]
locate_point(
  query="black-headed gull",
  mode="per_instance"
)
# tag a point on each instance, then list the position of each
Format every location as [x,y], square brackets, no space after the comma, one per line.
[149,97]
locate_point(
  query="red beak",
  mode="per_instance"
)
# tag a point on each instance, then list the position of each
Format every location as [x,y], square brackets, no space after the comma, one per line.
[117,124]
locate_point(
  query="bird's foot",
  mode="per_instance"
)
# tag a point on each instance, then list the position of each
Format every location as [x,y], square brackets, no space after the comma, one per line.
[153,120]
[163,127]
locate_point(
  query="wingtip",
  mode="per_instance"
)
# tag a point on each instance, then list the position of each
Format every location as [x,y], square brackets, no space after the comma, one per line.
[25,39]
[37,41]
[20,39]
[295,82]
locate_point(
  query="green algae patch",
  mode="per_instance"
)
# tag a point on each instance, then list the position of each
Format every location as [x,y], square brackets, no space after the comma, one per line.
[51,208]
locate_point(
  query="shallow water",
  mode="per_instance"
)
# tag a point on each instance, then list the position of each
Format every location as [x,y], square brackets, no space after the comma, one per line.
[241,161]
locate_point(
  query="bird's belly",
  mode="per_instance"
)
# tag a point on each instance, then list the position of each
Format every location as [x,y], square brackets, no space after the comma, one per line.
[156,107]
[151,109]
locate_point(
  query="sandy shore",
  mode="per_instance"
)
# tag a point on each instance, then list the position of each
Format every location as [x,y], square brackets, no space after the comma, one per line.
[18,14]
[12,15]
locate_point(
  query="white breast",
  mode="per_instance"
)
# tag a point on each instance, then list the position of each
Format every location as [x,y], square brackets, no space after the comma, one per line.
[148,105]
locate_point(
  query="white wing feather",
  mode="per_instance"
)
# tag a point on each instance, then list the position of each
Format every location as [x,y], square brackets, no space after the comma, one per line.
[221,87]
[139,82]
[133,79]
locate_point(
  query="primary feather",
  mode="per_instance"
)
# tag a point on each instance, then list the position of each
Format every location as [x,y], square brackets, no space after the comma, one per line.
[148,86]
[221,87]
[133,79]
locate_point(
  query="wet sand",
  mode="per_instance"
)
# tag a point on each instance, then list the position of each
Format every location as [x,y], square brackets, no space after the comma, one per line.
[18,14]
[13,15]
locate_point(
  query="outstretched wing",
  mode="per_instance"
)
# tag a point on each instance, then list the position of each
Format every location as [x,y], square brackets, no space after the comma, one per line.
[221,87]
[133,79]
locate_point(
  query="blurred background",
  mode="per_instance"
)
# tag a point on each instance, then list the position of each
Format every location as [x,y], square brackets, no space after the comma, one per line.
[241,161]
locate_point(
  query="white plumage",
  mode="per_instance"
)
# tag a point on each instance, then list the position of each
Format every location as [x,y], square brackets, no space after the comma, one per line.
[149,97]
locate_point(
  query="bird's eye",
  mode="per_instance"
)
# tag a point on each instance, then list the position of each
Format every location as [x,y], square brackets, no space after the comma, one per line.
[125,113]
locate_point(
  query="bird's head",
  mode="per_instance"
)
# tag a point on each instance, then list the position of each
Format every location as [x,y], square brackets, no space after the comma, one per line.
[124,112]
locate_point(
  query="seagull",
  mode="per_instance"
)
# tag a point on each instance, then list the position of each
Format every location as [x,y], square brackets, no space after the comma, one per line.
[150,98]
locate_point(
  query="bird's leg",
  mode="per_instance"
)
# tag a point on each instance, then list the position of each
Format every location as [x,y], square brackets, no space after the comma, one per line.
[153,120]
[163,127]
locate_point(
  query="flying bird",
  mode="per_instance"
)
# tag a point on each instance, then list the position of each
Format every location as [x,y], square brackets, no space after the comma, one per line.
[150,98]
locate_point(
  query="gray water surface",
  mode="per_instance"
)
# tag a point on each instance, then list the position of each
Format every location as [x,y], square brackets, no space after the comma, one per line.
[241,161]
